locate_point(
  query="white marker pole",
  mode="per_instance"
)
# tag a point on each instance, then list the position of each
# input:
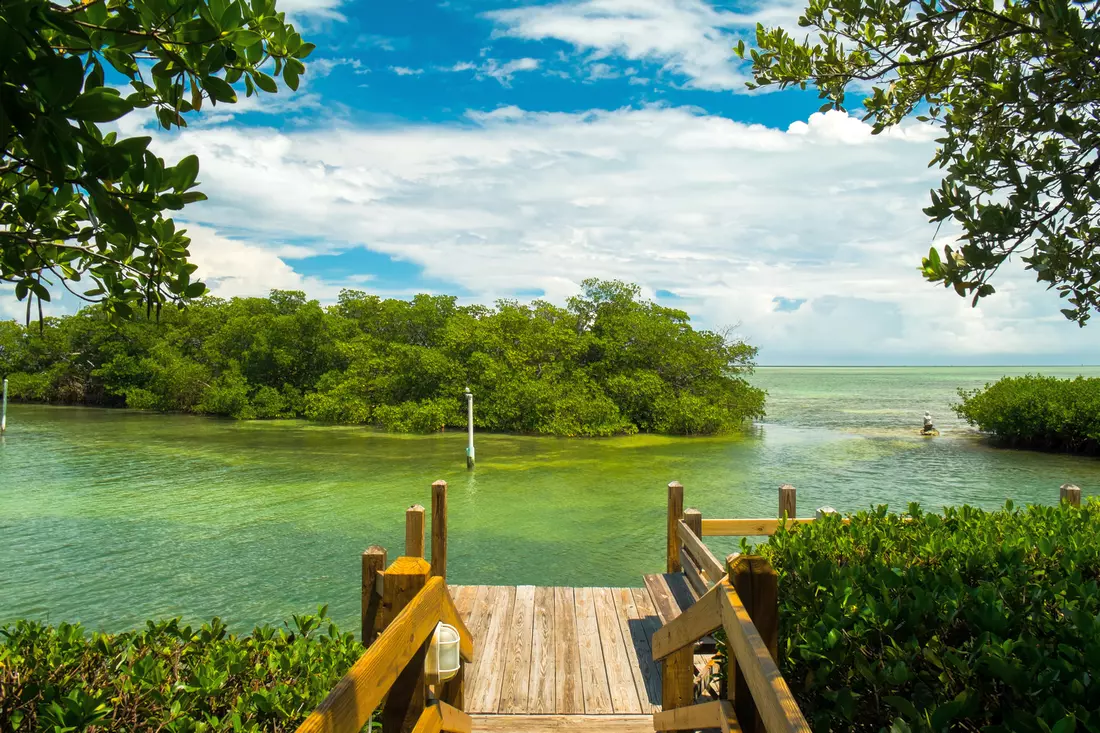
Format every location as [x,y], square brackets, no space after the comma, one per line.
[470,429]
[4,410]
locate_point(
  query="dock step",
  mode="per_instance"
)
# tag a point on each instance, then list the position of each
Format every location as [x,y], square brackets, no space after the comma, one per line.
[563,723]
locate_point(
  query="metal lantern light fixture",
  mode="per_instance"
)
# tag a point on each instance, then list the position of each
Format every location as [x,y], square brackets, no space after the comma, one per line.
[443,660]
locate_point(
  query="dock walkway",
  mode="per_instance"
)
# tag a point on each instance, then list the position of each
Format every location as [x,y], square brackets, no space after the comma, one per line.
[521,659]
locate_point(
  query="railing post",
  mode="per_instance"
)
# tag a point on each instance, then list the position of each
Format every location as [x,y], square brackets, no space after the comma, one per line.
[1070,494]
[757,583]
[678,669]
[823,511]
[408,696]
[414,531]
[786,502]
[675,514]
[693,518]
[439,529]
[374,562]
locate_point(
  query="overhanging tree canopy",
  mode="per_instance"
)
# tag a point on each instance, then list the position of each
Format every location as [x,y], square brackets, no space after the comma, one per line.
[78,204]
[1016,89]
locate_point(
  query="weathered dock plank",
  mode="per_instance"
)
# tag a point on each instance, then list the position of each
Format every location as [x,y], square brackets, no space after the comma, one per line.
[540,687]
[645,624]
[517,650]
[594,683]
[488,673]
[562,723]
[616,659]
[568,690]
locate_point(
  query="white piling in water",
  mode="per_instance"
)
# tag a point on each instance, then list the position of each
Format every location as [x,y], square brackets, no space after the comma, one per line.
[4,409]
[470,429]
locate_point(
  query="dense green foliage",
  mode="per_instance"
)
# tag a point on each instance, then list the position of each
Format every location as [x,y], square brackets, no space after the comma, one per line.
[169,677]
[968,621]
[78,205]
[1013,87]
[1037,412]
[608,363]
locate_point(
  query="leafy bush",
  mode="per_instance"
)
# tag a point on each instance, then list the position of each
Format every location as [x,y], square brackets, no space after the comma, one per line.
[608,363]
[425,416]
[968,621]
[1038,412]
[169,677]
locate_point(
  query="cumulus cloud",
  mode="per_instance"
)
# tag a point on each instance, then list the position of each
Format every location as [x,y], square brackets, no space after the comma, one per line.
[688,38]
[232,267]
[406,71]
[734,219]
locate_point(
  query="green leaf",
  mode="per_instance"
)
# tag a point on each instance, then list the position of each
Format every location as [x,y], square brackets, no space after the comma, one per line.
[265,82]
[219,90]
[245,38]
[290,76]
[185,173]
[902,705]
[101,104]
[194,290]
[304,50]
[1067,724]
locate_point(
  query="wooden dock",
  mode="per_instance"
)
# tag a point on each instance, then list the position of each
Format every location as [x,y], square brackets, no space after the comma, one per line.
[560,651]
[615,660]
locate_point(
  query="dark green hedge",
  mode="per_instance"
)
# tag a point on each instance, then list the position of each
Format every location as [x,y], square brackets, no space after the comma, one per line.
[1037,412]
[970,621]
[168,677]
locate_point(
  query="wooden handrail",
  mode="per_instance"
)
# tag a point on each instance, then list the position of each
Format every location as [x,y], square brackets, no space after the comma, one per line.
[745,527]
[722,607]
[440,716]
[716,714]
[774,701]
[703,557]
[696,621]
[350,704]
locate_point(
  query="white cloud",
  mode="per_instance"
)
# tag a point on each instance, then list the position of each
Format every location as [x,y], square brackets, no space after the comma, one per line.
[326,9]
[235,268]
[320,67]
[494,69]
[406,71]
[728,216]
[690,38]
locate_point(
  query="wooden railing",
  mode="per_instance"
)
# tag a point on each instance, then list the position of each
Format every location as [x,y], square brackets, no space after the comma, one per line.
[761,700]
[741,597]
[401,606]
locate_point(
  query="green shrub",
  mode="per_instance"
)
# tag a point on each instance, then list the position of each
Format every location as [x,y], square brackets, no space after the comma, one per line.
[968,621]
[1037,412]
[610,362]
[425,416]
[169,677]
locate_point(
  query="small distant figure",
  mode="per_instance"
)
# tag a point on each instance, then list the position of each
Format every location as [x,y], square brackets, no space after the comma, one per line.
[929,428]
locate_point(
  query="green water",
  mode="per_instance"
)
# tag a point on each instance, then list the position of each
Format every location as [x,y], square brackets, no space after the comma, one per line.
[112,517]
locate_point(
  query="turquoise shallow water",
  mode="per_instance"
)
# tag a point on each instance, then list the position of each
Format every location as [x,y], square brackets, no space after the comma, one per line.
[112,517]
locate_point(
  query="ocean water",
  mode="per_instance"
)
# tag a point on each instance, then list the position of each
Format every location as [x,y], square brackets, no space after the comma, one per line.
[111,517]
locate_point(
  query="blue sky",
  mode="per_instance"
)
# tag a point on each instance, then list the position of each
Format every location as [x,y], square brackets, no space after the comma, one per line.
[512,149]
